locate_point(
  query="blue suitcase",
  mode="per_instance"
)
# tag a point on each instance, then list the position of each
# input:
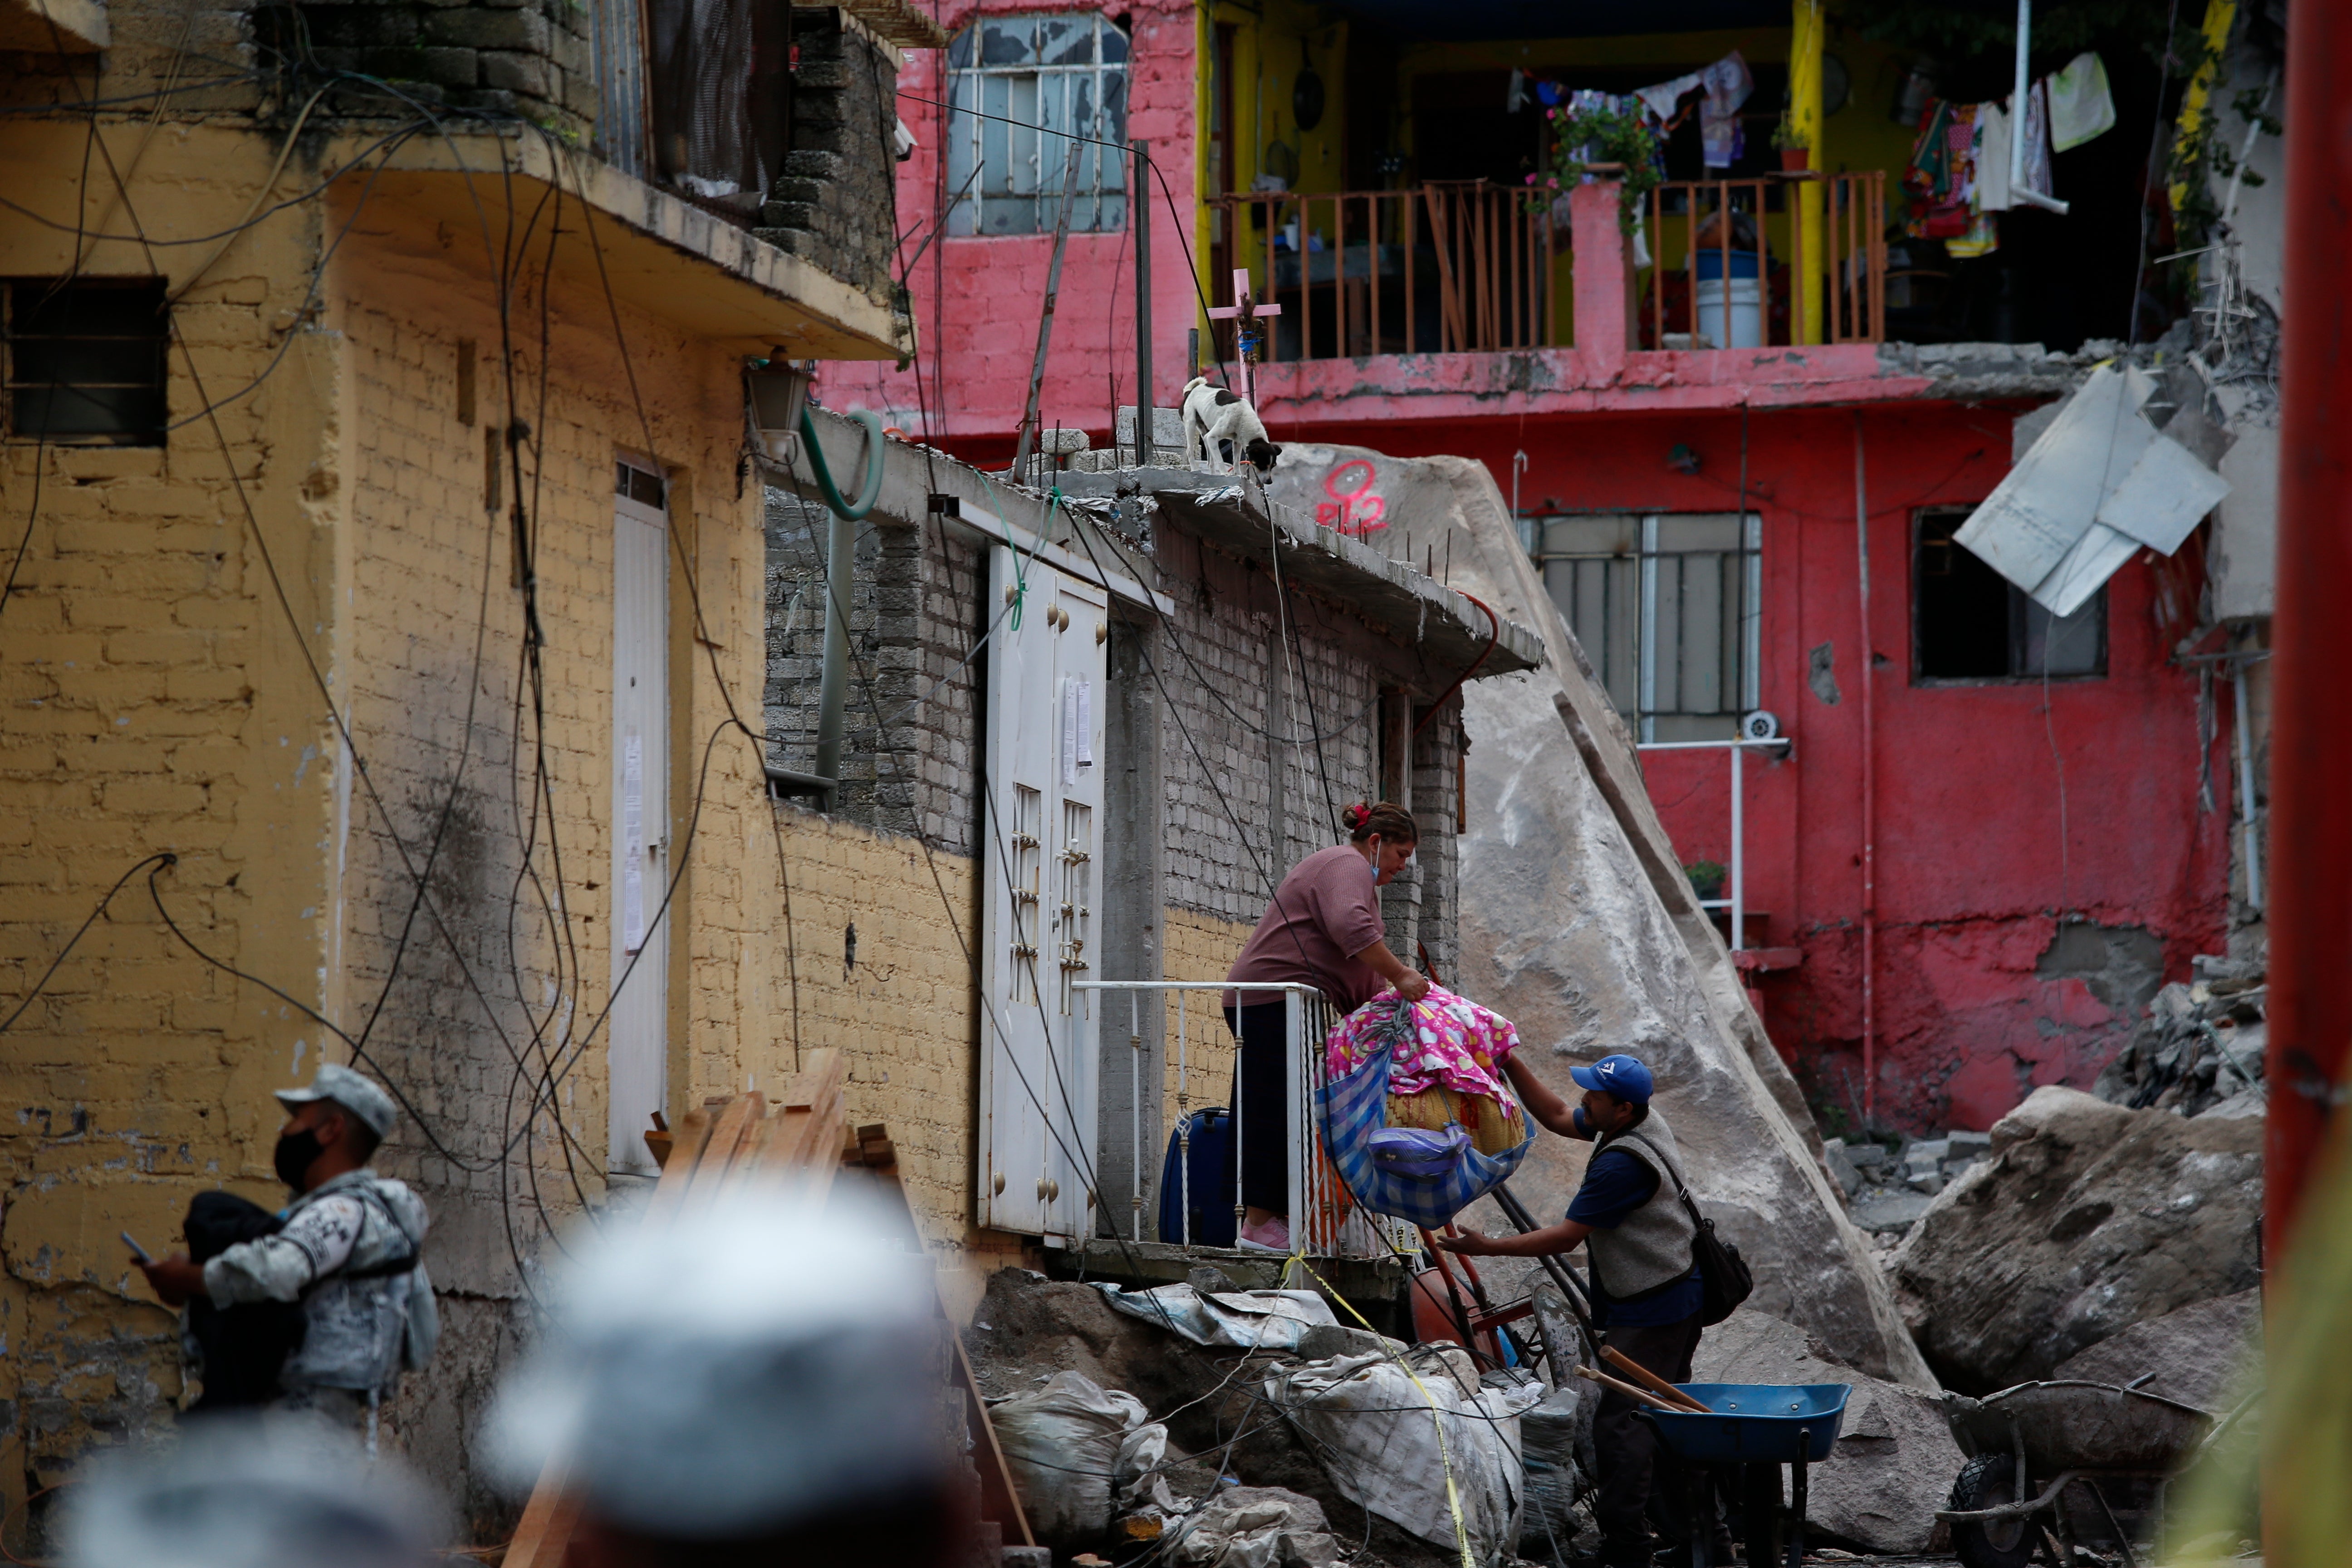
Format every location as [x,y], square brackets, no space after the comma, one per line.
[1208,1190]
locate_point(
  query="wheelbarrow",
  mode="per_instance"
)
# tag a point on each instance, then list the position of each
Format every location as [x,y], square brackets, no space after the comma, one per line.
[2027,1444]
[1736,1452]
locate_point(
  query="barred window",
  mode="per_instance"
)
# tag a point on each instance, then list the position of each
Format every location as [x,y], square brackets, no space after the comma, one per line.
[85,360]
[1668,609]
[1020,88]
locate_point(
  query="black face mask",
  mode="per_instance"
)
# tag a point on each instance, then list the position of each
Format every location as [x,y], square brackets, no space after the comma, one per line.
[297,1152]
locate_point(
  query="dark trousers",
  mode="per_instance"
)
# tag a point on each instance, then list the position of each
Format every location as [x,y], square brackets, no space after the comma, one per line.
[1261,1090]
[1626,1447]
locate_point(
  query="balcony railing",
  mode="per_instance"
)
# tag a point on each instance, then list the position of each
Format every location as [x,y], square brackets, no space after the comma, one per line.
[1443,269]
[1469,267]
[1737,248]
[1325,1219]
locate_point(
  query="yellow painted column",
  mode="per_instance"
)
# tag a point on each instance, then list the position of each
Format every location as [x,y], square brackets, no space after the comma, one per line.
[1810,24]
[2194,104]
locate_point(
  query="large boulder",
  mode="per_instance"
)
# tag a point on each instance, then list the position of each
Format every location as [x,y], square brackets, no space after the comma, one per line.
[1578,923]
[2086,1218]
[2196,1354]
[1895,1459]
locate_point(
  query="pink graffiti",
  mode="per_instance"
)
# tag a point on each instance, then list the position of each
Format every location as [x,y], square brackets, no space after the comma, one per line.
[1353,509]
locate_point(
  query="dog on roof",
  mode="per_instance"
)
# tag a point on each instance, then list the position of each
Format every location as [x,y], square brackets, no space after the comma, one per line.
[1219,425]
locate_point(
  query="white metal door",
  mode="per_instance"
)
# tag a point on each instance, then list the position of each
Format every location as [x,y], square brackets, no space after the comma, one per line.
[1041,862]
[637,1033]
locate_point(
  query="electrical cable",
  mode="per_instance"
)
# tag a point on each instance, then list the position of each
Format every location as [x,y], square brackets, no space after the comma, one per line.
[165,857]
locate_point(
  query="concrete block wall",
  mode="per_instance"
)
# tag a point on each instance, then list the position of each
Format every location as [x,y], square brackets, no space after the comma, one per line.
[530,57]
[837,199]
[915,615]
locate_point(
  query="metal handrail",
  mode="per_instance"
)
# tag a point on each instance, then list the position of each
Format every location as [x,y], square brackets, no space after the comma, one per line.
[1318,1200]
[1488,249]
[1853,227]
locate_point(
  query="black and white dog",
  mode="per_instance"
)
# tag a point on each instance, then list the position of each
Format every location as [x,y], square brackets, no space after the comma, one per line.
[1219,425]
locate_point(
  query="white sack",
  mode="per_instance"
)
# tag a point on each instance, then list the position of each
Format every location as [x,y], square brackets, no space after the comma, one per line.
[1068,1446]
[1241,1320]
[1372,1424]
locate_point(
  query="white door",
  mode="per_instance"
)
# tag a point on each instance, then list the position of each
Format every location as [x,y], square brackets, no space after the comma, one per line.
[1041,857]
[637,1033]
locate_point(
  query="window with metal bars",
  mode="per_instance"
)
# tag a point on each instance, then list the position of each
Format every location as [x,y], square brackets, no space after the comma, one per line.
[85,360]
[1667,606]
[1020,90]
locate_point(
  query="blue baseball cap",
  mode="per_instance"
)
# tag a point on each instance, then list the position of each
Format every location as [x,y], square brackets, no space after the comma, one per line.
[1622,1076]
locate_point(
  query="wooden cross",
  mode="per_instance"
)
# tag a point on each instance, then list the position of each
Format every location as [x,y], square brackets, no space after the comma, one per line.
[1245,311]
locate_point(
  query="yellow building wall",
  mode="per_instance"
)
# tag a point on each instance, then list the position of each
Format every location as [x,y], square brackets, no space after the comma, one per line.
[158,699]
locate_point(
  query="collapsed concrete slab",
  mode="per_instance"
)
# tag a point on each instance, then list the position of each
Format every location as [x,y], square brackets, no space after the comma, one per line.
[1895,1458]
[1579,922]
[2087,1218]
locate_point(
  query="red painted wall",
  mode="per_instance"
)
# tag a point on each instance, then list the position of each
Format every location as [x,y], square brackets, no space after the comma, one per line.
[977,298]
[2000,811]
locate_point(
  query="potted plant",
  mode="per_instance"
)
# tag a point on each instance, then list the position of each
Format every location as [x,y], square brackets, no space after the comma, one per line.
[1795,156]
[1603,141]
[1706,878]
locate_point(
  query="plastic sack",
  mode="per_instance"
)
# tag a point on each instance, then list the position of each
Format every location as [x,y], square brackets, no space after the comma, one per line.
[1243,1319]
[1255,1527]
[1371,1423]
[1076,1448]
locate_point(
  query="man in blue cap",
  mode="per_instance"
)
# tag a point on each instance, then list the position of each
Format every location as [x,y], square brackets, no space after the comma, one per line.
[1630,1218]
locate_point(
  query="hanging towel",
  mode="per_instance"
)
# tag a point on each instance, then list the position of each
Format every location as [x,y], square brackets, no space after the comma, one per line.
[2036,131]
[1991,154]
[1728,83]
[2079,105]
[1662,96]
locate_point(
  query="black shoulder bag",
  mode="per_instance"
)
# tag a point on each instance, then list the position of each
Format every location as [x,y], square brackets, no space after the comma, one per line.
[1724,1278]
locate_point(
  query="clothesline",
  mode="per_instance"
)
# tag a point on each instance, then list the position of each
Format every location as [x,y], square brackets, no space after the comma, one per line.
[1959,172]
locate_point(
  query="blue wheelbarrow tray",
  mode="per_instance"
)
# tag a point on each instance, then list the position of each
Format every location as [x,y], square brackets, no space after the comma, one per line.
[1754,1423]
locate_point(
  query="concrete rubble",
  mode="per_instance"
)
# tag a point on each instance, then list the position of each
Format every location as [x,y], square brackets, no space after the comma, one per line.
[2198,1050]
[1578,923]
[2085,1218]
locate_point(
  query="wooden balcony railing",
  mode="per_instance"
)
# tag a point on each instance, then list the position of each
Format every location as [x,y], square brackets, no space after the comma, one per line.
[1443,269]
[1469,267]
[1728,254]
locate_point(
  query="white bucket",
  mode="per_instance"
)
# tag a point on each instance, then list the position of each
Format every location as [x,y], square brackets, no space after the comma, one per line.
[1746,302]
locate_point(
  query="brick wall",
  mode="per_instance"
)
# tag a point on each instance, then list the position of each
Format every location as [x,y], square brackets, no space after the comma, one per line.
[528,57]
[914,614]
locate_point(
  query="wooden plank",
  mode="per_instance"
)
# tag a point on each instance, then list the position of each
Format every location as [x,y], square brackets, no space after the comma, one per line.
[813,1115]
[544,1536]
[1000,1499]
[691,1136]
[719,1156]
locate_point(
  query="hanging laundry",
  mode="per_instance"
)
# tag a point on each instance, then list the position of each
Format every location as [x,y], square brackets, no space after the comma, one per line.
[2036,131]
[1991,158]
[1942,174]
[1981,237]
[1662,98]
[2080,104]
[1721,136]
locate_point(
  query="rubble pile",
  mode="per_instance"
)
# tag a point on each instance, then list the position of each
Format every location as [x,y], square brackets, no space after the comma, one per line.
[2084,1219]
[1888,1187]
[1225,1439]
[2199,1051]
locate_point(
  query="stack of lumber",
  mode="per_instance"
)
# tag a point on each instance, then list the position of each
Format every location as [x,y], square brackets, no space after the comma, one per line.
[805,1140]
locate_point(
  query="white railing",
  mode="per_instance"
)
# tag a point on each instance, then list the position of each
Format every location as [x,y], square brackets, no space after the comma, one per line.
[1737,904]
[1324,1219]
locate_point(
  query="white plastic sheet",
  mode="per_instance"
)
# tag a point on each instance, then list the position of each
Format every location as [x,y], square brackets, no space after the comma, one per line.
[1242,1319]
[1372,1421]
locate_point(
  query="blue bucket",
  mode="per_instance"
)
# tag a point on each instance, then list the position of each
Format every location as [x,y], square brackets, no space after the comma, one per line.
[1744,263]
